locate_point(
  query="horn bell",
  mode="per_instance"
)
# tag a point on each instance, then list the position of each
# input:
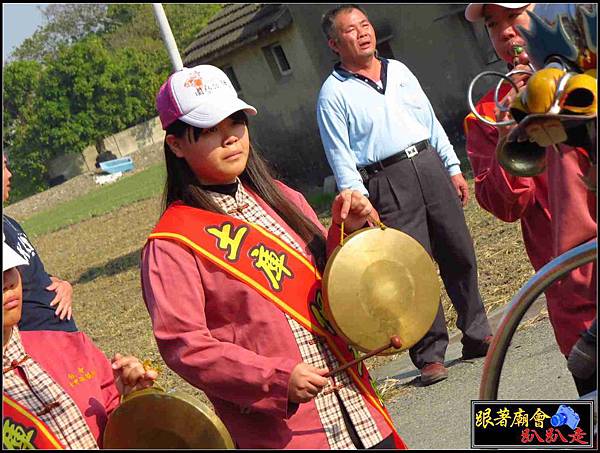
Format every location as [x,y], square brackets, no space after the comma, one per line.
[522,158]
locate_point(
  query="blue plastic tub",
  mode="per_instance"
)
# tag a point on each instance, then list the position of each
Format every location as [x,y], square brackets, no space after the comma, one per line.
[117,165]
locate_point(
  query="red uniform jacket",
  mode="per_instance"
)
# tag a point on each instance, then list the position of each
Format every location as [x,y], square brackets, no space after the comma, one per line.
[79,367]
[225,338]
[556,211]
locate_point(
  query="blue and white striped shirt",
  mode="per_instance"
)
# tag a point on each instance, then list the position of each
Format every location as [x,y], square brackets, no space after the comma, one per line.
[361,125]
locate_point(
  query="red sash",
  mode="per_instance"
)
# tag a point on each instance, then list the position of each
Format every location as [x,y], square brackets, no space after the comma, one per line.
[267,264]
[22,430]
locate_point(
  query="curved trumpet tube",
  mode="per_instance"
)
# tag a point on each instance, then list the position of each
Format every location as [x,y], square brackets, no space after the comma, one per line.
[496,94]
[555,269]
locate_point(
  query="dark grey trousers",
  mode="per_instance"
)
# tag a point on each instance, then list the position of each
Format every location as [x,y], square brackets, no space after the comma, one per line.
[417,197]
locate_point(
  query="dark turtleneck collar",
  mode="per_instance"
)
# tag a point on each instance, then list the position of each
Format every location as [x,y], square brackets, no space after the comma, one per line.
[225,189]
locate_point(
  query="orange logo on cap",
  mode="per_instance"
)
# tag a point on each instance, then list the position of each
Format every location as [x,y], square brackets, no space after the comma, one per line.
[194,81]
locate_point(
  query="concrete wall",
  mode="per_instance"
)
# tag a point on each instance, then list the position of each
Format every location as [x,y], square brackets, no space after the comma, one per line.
[68,166]
[285,129]
[130,140]
[121,144]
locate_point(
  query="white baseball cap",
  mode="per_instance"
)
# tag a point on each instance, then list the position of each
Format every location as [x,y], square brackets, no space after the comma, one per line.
[10,258]
[474,11]
[201,96]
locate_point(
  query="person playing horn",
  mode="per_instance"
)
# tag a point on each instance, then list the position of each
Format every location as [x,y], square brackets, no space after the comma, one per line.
[231,279]
[556,210]
[58,387]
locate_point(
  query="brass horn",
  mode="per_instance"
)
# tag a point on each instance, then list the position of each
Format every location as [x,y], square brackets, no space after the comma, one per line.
[520,158]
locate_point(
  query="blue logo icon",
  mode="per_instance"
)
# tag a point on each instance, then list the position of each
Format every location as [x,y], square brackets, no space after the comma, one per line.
[565,415]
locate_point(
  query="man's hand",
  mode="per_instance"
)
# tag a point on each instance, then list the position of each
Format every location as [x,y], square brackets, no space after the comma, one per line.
[64,297]
[352,208]
[462,189]
[306,382]
[130,374]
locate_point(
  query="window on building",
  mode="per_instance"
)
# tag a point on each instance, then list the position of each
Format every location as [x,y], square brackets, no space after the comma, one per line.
[277,60]
[234,80]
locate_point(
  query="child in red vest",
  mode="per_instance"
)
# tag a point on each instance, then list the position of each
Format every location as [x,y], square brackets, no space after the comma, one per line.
[58,387]
[230,277]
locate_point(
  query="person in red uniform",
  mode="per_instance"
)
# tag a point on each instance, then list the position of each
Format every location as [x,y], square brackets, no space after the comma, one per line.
[230,277]
[556,210]
[58,387]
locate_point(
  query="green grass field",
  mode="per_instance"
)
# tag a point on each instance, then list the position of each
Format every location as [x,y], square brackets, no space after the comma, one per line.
[128,190]
[141,186]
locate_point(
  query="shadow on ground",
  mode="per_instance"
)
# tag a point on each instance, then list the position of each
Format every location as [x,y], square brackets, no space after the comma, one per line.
[113,267]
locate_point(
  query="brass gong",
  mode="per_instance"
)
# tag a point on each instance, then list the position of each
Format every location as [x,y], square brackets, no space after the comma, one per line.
[380,283]
[152,418]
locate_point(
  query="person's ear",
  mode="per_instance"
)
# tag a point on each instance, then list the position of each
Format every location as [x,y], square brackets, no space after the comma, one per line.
[173,143]
[331,42]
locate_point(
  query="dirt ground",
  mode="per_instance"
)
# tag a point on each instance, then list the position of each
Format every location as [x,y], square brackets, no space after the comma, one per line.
[100,257]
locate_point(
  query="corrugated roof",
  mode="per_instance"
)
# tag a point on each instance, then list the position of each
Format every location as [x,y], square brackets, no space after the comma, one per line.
[233,26]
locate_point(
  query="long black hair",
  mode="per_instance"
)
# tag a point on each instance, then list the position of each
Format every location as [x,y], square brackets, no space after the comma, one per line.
[183,185]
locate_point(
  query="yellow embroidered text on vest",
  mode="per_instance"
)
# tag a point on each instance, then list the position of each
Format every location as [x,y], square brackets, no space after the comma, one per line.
[81,376]
[14,436]
[226,241]
[271,264]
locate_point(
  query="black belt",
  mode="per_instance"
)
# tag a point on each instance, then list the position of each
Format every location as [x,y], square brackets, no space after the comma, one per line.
[406,153]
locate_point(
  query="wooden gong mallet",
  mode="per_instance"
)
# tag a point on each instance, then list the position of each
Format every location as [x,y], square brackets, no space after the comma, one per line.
[394,343]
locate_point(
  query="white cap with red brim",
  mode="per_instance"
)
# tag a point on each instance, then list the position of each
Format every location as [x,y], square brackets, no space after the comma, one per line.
[474,11]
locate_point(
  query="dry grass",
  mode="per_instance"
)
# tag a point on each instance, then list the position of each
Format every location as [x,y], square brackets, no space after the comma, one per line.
[100,257]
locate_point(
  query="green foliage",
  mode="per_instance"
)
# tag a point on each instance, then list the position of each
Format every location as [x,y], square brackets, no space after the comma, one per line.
[20,81]
[187,20]
[129,189]
[86,93]
[93,70]
[33,48]
[132,24]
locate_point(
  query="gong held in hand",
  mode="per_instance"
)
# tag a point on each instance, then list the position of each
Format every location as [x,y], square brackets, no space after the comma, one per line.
[157,419]
[381,291]
[153,418]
